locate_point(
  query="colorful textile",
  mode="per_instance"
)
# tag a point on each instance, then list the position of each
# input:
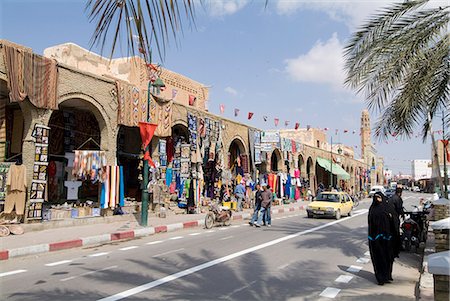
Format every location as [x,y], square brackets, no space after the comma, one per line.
[112,193]
[2,129]
[132,104]
[163,118]
[169,176]
[192,127]
[31,75]
[89,165]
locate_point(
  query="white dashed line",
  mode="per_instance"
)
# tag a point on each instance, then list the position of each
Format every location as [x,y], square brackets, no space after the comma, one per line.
[99,254]
[58,263]
[194,234]
[12,273]
[363,260]
[225,238]
[154,242]
[211,231]
[169,252]
[88,273]
[223,229]
[244,224]
[354,269]
[344,279]
[176,237]
[128,248]
[330,292]
[236,226]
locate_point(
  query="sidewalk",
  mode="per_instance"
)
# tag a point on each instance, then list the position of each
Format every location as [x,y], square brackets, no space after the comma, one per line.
[37,239]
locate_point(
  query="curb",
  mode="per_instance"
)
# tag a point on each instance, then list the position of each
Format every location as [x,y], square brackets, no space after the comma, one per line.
[426,281]
[105,238]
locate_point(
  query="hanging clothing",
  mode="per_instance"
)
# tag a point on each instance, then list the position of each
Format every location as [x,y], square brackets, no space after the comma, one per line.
[113,192]
[380,224]
[16,184]
[169,176]
[89,165]
[287,186]
[271,181]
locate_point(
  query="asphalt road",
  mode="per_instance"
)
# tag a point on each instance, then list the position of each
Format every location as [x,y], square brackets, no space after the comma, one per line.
[296,259]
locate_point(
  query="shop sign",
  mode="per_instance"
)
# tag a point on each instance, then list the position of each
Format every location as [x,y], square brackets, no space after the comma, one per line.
[270,137]
[266,147]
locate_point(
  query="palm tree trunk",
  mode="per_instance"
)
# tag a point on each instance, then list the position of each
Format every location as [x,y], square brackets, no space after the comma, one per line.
[435,159]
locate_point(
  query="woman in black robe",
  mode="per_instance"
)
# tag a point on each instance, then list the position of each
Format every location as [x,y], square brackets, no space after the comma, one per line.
[380,239]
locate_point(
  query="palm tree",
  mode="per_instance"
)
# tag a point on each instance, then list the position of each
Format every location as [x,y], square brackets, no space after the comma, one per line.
[146,24]
[400,59]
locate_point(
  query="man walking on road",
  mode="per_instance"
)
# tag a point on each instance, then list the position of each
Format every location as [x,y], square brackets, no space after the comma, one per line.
[396,204]
[239,192]
[258,199]
[265,205]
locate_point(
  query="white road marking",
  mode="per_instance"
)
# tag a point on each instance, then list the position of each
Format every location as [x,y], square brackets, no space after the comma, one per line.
[236,226]
[276,218]
[354,269]
[211,231]
[330,292]
[12,273]
[154,242]
[99,254]
[367,253]
[244,224]
[194,234]
[128,248]
[200,267]
[168,252]
[176,237]
[88,273]
[363,260]
[224,228]
[58,263]
[361,211]
[283,266]
[225,238]
[344,278]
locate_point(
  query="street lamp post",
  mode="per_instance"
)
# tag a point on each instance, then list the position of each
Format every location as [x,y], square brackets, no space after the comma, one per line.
[331,164]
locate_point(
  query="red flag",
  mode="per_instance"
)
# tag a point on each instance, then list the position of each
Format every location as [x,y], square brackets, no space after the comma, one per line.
[222,109]
[294,146]
[250,115]
[297,125]
[276,120]
[345,131]
[192,99]
[236,112]
[325,129]
[147,130]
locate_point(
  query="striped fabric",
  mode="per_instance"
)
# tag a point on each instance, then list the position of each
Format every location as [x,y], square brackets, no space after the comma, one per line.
[132,104]
[113,188]
[31,75]
[2,129]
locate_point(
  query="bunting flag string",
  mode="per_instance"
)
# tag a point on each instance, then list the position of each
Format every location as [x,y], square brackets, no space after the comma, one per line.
[286,123]
[250,115]
[265,118]
[297,125]
[308,127]
[222,109]
[276,120]
[236,112]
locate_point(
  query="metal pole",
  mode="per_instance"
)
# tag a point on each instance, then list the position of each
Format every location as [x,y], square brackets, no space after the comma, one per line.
[145,196]
[331,164]
[444,158]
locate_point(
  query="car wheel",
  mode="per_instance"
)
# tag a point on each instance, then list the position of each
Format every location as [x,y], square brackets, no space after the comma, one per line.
[309,215]
[350,212]
[338,214]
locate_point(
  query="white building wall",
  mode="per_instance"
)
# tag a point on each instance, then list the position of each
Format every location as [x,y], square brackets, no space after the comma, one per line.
[421,169]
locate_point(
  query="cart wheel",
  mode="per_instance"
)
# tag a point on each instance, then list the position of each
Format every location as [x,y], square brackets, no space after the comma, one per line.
[227,222]
[209,220]
[4,231]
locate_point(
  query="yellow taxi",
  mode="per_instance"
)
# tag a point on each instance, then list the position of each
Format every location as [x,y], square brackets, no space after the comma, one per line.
[330,203]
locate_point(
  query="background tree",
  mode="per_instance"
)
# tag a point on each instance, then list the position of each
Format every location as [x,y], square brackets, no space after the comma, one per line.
[400,60]
[146,25]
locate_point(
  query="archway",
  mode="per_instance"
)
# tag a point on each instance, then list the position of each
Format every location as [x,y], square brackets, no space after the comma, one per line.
[77,125]
[276,163]
[128,152]
[12,130]
[301,165]
[237,158]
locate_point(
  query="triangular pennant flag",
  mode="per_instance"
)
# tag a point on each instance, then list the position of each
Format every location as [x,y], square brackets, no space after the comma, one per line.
[336,131]
[297,125]
[286,123]
[192,99]
[236,112]
[354,132]
[250,115]
[345,131]
[276,120]
[325,129]
[222,109]
[147,130]
[265,118]
[308,127]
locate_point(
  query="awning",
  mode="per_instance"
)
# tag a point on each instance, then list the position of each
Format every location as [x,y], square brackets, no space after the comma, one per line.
[335,169]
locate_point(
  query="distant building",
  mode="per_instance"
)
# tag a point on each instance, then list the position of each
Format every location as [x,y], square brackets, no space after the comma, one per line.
[421,169]
[369,153]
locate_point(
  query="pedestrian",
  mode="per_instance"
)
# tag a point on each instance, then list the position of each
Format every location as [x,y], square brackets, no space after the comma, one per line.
[380,222]
[239,192]
[258,200]
[397,206]
[266,201]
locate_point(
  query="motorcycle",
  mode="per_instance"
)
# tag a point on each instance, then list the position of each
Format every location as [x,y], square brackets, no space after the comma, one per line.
[414,229]
[217,215]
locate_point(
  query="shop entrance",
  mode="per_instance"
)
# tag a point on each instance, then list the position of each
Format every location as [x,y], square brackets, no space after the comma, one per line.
[275,161]
[128,151]
[238,160]
[72,127]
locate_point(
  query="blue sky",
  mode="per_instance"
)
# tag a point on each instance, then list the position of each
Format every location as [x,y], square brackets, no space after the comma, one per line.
[282,61]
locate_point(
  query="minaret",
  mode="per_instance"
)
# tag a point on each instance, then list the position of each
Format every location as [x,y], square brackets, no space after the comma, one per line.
[365,134]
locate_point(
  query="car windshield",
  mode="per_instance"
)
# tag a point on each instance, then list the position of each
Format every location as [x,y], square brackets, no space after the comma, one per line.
[327,197]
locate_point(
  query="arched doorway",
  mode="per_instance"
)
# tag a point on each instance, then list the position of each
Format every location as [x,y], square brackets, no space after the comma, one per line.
[237,158]
[301,165]
[73,127]
[128,152]
[276,163]
[12,127]
[310,174]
